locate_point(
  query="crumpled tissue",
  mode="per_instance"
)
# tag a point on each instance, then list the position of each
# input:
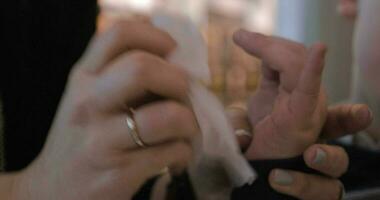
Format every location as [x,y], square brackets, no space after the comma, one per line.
[218,159]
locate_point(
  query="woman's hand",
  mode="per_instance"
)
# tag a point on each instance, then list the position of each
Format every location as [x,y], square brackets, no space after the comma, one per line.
[90,153]
[329,160]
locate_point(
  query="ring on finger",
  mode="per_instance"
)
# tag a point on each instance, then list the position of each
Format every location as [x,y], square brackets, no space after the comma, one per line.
[133,131]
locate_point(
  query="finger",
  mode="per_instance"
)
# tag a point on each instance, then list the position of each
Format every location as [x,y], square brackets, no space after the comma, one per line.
[305,186]
[137,75]
[240,122]
[264,47]
[149,162]
[165,122]
[282,58]
[124,36]
[305,97]
[346,119]
[142,18]
[156,123]
[348,8]
[330,160]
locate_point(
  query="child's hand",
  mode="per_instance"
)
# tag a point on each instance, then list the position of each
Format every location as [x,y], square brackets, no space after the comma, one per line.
[289,109]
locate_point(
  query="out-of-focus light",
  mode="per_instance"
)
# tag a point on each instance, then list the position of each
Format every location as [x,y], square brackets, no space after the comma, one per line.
[138,5]
[229,7]
[141,4]
[261,17]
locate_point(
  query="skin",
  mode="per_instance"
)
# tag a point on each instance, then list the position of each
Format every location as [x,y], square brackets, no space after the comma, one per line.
[348,8]
[89,153]
[288,114]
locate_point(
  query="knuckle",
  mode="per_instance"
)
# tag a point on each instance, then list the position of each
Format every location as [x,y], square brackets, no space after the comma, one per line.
[77,75]
[182,79]
[140,58]
[82,110]
[117,30]
[140,63]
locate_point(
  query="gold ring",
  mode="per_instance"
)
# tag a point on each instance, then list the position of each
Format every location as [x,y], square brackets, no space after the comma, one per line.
[131,123]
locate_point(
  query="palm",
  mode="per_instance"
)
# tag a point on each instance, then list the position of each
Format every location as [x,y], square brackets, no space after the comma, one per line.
[279,128]
[289,109]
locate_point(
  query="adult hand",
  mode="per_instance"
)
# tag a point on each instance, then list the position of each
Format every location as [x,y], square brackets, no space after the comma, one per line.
[90,153]
[327,159]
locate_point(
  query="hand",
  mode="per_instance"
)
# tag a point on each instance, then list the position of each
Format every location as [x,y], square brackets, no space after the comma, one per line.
[89,153]
[329,160]
[341,119]
[348,8]
[289,109]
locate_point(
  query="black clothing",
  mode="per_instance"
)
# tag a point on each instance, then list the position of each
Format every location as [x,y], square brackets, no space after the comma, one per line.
[40,42]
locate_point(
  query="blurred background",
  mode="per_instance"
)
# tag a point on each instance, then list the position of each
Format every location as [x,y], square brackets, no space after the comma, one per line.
[235,75]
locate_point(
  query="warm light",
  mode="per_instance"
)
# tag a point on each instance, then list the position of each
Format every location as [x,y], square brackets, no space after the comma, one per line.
[141,4]
[138,5]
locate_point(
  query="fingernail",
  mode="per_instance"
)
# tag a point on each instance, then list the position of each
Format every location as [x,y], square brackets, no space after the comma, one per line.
[283,178]
[320,156]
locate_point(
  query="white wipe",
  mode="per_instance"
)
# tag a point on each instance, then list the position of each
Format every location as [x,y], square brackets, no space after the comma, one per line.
[217,145]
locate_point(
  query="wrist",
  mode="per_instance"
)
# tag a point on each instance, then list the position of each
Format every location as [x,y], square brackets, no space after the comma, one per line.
[268,144]
[10,185]
[22,185]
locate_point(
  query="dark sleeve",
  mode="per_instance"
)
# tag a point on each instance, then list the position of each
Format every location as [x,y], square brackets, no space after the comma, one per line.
[181,188]
[261,189]
[363,172]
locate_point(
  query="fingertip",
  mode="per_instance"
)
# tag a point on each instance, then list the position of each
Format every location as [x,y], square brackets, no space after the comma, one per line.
[363,114]
[282,181]
[330,160]
[271,178]
[309,155]
[240,35]
[315,156]
[245,38]
[318,49]
[320,46]
[316,57]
